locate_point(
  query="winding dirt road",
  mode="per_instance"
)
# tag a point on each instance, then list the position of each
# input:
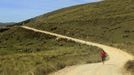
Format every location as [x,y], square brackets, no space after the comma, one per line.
[111,67]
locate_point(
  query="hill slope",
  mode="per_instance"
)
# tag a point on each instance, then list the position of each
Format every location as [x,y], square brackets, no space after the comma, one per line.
[24,52]
[97,68]
[109,22]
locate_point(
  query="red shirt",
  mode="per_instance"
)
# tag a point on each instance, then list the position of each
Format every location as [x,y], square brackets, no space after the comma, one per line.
[103,54]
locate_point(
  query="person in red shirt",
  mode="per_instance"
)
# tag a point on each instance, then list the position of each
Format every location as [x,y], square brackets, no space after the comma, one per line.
[103,55]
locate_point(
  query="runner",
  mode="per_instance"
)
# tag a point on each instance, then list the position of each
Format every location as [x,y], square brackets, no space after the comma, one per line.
[103,55]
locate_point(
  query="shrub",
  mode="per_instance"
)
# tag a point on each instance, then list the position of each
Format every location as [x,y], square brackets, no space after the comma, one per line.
[129,66]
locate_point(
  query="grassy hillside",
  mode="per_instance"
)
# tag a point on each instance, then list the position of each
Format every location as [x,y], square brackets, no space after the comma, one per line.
[24,52]
[109,22]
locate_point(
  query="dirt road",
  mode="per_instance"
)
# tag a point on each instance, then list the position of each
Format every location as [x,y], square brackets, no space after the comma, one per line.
[112,67]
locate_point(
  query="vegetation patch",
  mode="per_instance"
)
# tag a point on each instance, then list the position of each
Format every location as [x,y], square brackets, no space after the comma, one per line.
[129,66]
[24,52]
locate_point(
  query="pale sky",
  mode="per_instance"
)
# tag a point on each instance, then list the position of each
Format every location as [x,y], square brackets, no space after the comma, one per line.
[19,10]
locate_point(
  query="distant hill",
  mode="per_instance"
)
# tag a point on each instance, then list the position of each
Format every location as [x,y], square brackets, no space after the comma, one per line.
[6,24]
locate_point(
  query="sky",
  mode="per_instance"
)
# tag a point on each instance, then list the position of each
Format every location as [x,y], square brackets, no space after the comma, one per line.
[19,10]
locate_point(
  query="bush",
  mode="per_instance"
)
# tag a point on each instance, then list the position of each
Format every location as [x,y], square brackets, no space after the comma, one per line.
[129,66]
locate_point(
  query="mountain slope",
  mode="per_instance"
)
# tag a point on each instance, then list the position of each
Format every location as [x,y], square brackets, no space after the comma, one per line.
[108,21]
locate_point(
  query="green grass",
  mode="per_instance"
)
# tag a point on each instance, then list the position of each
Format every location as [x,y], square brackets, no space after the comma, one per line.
[109,22]
[24,52]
